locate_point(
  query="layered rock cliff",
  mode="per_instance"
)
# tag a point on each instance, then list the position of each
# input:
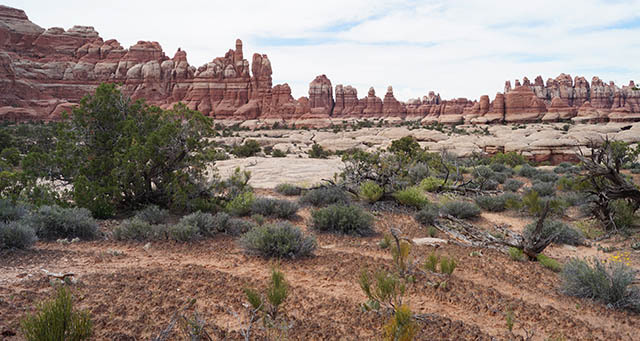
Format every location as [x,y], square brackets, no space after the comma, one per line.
[45,72]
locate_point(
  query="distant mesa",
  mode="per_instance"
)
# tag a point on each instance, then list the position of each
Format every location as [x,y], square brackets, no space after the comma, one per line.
[45,72]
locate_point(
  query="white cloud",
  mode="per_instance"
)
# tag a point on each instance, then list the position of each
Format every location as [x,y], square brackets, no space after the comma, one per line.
[456,48]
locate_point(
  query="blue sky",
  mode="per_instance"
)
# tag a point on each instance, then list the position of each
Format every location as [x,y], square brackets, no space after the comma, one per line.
[456,48]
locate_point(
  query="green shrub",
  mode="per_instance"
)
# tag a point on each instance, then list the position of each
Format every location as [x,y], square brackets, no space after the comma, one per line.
[204,222]
[281,240]
[564,233]
[278,208]
[516,254]
[491,203]
[483,172]
[431,262]
[152,214]
[499,177]
[512,201]
[431,184]
[546,177]
[623,214]
[610,282]
[567,183]
[317,152]
[527,171]
[16,234]
[512,185]
[183,232]
[55,222]
[56,320]
[461,209]
[511,159]
[241,204]
[418,172]
[500,168]
[140,230]
[411,196]
[345,219]
[247,149]
[549,263]
[428,214]
[447,265]
[10,211]
[113,172]
[544,189]
[370,191]
[288,189]
[324,196]
[224,223]
[278,153]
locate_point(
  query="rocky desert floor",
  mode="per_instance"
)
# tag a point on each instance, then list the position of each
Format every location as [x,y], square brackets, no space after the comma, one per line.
[133,289]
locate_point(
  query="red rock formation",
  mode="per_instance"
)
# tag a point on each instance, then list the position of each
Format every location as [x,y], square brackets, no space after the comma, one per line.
[44,72]
[321,97]
[522,105]
[391,107]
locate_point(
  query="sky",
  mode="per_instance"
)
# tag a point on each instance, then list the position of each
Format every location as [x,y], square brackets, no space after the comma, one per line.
[455,48]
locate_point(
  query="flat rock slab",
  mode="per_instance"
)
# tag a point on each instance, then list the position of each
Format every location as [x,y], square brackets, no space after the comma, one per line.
[428,241]
[268,172]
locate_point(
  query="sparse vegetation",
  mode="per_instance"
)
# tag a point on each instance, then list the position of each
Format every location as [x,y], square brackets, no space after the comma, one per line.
[411,196]
[560,233]
[512,185]
[55,222]
[370,191]
[428,214]
[516,254]
[317,152]
[549,263]
[461,209]
[247,149]
[324,196]
[280,240]
[57,320]
[345,219]
[288,189]
[16,235]
[608,282]
[269,207]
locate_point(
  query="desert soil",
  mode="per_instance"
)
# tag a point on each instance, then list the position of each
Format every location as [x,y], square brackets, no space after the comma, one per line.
[133,289]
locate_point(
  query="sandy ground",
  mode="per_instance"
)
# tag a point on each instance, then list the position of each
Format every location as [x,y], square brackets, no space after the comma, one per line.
[132,291]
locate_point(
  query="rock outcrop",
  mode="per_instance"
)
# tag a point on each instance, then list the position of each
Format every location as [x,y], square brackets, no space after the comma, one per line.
[44,72]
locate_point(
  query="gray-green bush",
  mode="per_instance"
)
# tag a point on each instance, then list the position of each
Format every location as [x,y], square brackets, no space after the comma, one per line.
[564,233]
[610,282]
[544,189]
[183,232]
[280,240]
[152,214]
[204,222]
[428,214]
[270,207]
[461,209]
[512,185]
[16,235]
[527,171]
[10,211]
[288,189]
[224,223]
[345,219]
[324,196]
[139,230]
[55,222]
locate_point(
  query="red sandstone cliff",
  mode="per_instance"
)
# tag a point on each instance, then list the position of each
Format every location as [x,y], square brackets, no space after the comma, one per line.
[45,72]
